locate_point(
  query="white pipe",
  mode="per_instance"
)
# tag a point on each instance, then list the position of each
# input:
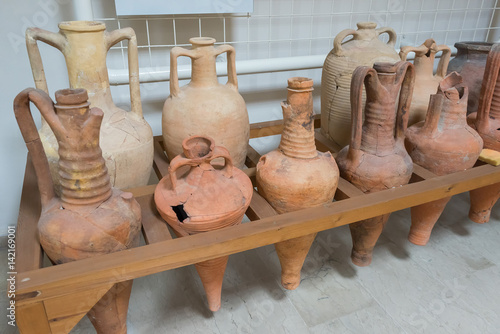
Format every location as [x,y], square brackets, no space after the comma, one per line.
[82,10]
[156,74]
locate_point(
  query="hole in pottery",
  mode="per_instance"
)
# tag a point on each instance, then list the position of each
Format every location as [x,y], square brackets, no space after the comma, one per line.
[461,91]
[179,212]
[428,54]
[498,129]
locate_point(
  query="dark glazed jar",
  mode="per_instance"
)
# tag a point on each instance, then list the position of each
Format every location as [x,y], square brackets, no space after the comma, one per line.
[469,63]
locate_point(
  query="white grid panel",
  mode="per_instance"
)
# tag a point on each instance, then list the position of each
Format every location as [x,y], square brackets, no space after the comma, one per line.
[286,28]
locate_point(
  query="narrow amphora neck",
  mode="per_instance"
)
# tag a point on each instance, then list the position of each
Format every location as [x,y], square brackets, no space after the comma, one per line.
[203,72]
[82,170]
[297,138]
[85,53]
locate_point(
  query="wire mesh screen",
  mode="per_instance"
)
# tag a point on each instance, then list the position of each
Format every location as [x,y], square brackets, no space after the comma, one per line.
[286,28]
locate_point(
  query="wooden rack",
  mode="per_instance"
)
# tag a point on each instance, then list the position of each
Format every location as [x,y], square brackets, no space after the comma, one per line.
[54,299]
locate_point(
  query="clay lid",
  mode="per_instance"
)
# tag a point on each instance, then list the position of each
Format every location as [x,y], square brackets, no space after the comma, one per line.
[82,26]
[474,46]
[203,197]
[202,41]
[71,96]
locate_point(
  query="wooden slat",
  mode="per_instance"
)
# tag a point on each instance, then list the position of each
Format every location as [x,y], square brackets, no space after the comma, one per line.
[111,268]
[420,173]
[259,208]
[31,318]
[252,157]
[153,226]
[346,190]
[271,128]
[160,160]
[66,311]
[323,144]
[29,256]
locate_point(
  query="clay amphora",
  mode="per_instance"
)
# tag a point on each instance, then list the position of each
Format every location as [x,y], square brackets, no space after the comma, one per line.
[196,197]
[443,144]
[204,106]
[90,218]
[376,159]
[486,121]
[469,63]
[296,176]
[126,138]
[426,82]
[364,49]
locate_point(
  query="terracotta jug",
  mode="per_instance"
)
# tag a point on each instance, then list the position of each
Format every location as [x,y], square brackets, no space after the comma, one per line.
[426,82]
[90,218]
[364,49]
[126,138]
[486,121]
[376,159]
[295,175]
[469,63]
[443,144]
[204,106]
[196,197]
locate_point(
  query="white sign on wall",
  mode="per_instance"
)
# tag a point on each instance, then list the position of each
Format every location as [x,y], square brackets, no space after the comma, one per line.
[166,7]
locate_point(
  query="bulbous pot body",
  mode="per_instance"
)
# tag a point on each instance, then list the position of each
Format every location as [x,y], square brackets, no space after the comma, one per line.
[376,159]
[364,49]
[90,218]
[296,176]
[426,82]
[443,144]
[470,62]
[126,138]
[196,197]
[486,121]
[204,106]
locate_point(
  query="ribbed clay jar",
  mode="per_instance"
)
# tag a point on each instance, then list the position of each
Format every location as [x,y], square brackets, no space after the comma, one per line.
[443,144]
[204,106]
[90,218]
[364,49]
[426,82]
[376,159]
[486,121]
[470,62]
[296,176]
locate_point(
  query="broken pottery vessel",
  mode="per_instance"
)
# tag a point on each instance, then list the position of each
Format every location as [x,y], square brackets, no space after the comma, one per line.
[364,49]
[204,106]
[296,176]
[486,121]
[126,138]
[470,62]
[376,159]
[426,82]
[196,197]
[443,144]
[90,218]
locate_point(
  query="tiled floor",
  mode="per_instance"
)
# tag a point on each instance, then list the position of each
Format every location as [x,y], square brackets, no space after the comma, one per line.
[452,285]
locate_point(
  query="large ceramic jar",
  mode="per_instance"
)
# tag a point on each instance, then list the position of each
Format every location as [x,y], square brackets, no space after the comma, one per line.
[196,197]
[126,139]
[296,176]
[90,218]
[376,159]
[204,106]
[486,121]
[426,82]
[443,144]
[363,49]
[469,63]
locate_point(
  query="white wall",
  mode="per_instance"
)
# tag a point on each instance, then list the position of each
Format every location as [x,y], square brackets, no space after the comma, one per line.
[277,28]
